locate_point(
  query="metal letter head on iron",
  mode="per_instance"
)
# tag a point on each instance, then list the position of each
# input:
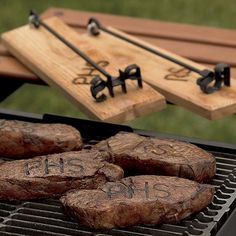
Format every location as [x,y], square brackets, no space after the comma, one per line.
[131,72]
[220,75]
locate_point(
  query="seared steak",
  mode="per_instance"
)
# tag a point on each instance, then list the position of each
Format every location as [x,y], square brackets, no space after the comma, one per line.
[145,155]
[136,200]
[53,175]
[25,139]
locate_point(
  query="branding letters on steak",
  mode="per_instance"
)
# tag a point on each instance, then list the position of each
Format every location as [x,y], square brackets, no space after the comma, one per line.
[146,191]
[175,149]
[46,166]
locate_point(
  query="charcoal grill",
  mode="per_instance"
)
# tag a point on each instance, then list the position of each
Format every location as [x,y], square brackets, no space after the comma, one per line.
[46,217]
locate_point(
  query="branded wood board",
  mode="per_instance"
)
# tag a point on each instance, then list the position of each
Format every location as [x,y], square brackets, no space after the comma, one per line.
[63,69]
[177,84]
[205,45]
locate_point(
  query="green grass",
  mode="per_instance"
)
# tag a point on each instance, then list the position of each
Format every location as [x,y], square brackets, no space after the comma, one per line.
[41,99]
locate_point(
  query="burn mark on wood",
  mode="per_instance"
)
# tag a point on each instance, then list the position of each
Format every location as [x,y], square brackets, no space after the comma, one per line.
[177,74]
[89,73]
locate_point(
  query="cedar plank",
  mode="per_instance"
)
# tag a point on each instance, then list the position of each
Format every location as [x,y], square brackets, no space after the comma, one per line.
[148,27]
[211,54]
[3,50]
[59,67]
[11,68]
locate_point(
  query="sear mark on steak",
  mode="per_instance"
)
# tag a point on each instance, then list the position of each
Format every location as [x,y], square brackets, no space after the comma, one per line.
[146,155]
[146,199]
[25,139]
[53,175]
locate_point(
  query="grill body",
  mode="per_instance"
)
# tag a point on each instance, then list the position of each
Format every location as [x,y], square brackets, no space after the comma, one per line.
[46,217]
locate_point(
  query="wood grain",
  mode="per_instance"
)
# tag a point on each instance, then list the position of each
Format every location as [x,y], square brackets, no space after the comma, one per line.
[148,27]
[59,66]
[184,37]
[3,51]
[206,45]
[178,89]
[10,67]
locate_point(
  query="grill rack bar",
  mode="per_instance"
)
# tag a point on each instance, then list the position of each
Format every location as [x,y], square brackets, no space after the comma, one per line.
[45,217]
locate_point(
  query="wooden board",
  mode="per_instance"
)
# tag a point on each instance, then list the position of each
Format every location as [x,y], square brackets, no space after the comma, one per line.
[60,67]
[213,45]
[177,85]
[206,45]
[12,69]
[3,51]
[187,40]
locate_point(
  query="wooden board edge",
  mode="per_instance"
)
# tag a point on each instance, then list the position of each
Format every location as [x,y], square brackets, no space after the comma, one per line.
[23,60]
[124,116]
[221,113]
[208,114]
[208,111]
[144,110]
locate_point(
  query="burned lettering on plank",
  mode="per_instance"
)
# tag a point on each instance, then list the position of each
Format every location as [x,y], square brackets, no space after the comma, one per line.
[177,74]
[49,165]
[89,74]
[81,79]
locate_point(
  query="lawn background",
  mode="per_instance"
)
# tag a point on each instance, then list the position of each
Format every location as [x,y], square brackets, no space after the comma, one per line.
[41,99]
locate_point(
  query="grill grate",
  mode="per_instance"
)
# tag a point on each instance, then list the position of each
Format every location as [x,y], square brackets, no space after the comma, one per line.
[46,217]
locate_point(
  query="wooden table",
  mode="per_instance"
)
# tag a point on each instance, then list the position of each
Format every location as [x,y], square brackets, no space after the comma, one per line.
[204,45]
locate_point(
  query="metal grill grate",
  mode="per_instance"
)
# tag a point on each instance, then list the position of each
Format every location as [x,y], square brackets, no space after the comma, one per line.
[46,217]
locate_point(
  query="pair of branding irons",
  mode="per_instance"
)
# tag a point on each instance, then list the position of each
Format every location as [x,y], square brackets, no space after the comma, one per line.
[132,72]
[209,82]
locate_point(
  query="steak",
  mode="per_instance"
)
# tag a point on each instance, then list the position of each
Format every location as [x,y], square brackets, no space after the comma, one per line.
[53,175]
[146,155]
[146,199]
[25,139]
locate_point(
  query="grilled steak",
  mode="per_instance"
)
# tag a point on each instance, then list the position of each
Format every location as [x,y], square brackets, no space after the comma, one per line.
[25,139]
[53,175]
[146,199]
[145,155]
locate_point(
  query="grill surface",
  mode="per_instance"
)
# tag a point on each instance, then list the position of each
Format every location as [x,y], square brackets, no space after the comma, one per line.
[46,217]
